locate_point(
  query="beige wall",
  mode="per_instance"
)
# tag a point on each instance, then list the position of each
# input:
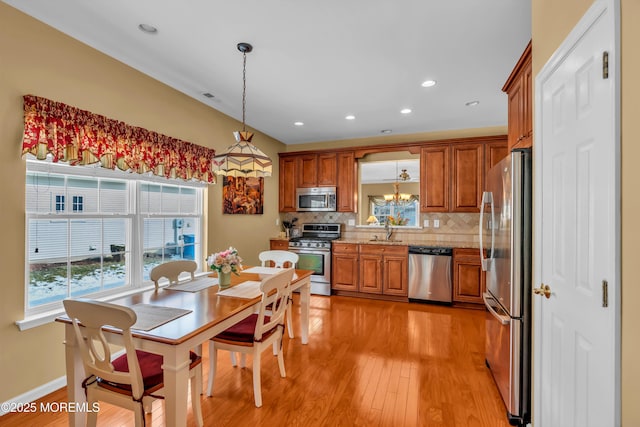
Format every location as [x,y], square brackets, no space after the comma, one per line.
[34,59]
[552,22]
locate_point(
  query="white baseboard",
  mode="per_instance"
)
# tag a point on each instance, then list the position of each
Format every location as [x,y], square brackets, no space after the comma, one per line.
[33,395]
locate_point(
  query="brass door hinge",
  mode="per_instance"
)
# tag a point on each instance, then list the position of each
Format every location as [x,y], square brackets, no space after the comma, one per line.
[605,65]
[605,293]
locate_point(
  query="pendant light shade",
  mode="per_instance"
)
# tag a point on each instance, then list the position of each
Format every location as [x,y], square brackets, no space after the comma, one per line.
[243,158]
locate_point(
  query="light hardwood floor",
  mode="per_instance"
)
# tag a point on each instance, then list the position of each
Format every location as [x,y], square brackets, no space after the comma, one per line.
[368,363]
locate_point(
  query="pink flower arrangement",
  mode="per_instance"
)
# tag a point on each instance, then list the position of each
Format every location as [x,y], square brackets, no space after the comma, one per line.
[226,261]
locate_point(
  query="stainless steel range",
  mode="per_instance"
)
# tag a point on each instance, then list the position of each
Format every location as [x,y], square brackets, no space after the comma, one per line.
[314,249]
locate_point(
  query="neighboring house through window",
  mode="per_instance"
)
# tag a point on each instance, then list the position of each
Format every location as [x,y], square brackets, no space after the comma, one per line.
[116,229]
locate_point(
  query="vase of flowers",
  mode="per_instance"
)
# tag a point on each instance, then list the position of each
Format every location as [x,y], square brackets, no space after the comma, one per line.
[225,263]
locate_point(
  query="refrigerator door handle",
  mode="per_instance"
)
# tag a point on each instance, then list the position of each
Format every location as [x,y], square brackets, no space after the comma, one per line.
[492,305]
[487,198]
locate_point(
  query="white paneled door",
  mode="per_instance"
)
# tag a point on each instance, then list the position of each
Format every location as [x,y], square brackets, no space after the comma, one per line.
[576,329]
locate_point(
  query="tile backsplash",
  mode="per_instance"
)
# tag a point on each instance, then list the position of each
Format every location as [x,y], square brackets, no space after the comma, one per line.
[454,227]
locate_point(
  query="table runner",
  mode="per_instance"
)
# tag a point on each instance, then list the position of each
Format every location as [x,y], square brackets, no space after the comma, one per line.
[151,316]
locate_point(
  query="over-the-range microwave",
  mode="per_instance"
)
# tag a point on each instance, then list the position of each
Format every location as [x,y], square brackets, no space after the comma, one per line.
[316,199]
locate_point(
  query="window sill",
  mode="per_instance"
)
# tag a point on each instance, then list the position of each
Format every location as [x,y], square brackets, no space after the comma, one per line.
[40,319]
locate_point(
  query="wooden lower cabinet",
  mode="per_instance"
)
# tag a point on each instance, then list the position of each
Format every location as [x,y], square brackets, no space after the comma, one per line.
[370,270]
[344,267]
[468,277]
[279,244]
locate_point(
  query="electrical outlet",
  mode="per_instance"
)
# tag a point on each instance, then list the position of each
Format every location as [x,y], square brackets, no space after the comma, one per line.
[352,222]
[277,221]
[426,223]
[436,223]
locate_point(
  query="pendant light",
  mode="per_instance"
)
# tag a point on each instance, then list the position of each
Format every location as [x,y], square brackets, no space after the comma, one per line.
[243,158]
[398,198]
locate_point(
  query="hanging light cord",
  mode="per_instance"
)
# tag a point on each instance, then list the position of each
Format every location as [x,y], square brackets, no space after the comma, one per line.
[244,87]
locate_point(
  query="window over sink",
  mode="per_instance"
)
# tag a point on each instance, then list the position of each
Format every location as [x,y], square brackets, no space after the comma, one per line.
[389,188]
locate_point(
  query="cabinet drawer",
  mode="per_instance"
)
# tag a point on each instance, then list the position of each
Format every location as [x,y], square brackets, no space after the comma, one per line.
[384,249]
[279,244]
[467,254]
[344,248]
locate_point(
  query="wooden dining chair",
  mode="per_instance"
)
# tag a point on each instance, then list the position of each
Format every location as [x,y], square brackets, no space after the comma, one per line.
[281,259]
[172,270]
[257,332]
[132,380]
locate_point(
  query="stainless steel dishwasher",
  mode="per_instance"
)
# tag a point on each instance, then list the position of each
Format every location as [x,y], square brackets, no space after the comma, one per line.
[430,274]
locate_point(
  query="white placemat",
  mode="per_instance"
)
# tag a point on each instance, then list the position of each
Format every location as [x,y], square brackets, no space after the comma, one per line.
[151,316]
[249,290]
[266,271]
[195,285]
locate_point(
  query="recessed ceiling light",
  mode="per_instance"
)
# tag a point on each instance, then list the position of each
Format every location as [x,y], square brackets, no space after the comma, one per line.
[472,103]
[428,83]
[298,123]
[385,131]
[149,29]
[350,117]
[405,110]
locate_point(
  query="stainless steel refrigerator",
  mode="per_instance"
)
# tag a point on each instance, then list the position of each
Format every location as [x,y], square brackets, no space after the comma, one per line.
[505,236]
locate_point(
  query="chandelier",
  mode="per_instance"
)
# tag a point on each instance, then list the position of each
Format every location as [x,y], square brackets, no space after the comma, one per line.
[397,197]
[243,158]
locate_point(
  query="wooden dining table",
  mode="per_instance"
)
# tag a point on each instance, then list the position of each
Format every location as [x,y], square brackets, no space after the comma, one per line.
[210,314]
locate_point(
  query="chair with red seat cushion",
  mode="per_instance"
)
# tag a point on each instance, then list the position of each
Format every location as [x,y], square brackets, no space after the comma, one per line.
[132,380]
[257,332]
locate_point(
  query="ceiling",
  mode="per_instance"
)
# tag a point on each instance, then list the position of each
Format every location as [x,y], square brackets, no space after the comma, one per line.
[316,61]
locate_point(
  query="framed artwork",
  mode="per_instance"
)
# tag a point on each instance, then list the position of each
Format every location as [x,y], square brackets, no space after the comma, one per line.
[242,195]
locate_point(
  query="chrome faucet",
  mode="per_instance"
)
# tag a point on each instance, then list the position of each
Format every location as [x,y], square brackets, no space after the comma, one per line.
[388,229]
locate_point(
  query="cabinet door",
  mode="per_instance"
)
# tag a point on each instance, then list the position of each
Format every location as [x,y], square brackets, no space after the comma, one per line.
[468,277]
[527,111]
[494,152]
[327,170]
[395,275]
[346,187]
[287,185]
[434,178]
[307,170]
[345,272]
[515,112]
[468,173]
[370,280]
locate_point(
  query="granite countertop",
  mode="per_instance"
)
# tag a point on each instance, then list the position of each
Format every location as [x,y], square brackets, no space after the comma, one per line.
[412,242]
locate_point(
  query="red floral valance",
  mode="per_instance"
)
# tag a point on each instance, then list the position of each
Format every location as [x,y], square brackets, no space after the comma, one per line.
[80,137]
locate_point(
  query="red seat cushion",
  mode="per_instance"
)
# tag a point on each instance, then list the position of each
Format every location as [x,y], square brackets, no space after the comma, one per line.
[242,331]
[150,367]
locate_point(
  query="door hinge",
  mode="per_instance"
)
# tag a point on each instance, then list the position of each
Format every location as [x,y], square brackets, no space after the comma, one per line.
[605,293]
[605,65]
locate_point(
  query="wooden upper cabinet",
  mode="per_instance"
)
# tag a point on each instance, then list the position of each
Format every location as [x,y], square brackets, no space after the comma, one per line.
[346,177]
[287,184]
[468,177]
[307,170]
[519,90]
[434,178]
[317,170]
[493,153]
[327,173]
